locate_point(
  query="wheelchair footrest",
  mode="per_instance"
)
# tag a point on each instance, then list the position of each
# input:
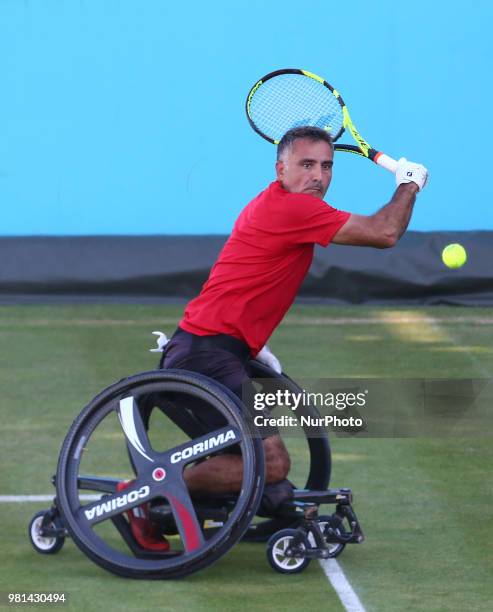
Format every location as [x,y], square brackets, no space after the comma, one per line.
[329,496]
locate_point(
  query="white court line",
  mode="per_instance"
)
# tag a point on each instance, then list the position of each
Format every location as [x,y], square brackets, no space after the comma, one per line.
[341,585]
[17,499]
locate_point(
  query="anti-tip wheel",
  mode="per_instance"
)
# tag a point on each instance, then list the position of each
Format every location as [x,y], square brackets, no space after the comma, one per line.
[46,545]
[335,548]
[280,547]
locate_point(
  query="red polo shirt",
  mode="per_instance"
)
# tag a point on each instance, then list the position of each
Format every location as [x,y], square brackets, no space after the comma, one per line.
[262,265]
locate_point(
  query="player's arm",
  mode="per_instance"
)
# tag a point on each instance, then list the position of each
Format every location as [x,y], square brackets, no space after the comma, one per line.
[384,228]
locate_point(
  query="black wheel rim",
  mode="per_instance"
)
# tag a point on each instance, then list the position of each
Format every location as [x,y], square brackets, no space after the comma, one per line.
[317,440]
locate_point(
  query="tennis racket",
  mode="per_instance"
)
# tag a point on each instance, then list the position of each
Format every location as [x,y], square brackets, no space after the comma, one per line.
[290,98]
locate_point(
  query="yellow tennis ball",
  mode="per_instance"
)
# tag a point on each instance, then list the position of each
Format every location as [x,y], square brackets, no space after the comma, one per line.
[454,256]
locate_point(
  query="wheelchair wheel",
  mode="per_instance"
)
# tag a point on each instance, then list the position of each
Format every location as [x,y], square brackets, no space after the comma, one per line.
[108,443]
[312,446]
[45,543]
[335,548]
[316,439]
[285,551]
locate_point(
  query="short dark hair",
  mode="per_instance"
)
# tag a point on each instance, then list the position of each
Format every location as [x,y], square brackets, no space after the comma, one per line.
[306,131]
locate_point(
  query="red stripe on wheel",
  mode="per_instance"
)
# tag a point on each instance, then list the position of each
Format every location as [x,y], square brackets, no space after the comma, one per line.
[192,534]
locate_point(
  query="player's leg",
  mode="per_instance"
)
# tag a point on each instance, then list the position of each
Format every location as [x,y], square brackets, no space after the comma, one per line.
[224,473]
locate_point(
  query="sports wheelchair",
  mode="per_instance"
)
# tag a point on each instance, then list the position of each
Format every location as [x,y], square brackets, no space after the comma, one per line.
[145,429]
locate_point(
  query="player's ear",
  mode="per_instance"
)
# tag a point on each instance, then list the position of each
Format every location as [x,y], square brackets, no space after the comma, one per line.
[279,169]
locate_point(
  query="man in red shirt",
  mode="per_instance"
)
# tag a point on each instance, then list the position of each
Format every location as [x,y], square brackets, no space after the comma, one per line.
[259,271]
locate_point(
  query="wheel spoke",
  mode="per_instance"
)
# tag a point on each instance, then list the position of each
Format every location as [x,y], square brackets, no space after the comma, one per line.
[185,517]
[112,505]
[203,446]
[279,554]
[133,428]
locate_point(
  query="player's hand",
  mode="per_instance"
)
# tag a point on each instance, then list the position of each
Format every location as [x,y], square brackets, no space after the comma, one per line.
[267,356]
[409,172]
[162,340]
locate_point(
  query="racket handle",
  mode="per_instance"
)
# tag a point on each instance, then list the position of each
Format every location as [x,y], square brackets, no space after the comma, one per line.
[377,156]
[386,162]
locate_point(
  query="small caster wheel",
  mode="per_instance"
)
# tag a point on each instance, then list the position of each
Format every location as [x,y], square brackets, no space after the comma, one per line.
[335,549]
[285,551]
[45,544]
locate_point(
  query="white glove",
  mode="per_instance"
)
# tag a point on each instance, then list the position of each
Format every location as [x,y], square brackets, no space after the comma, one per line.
[409,172]
[161,340]
[267,356]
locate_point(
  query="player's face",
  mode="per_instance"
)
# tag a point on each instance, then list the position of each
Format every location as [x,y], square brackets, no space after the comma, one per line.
[306,167]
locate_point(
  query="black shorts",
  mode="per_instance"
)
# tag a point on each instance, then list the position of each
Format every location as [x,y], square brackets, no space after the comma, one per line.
[220,357]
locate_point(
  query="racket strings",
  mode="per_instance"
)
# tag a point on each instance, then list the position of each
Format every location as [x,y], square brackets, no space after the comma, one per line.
[292,100]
